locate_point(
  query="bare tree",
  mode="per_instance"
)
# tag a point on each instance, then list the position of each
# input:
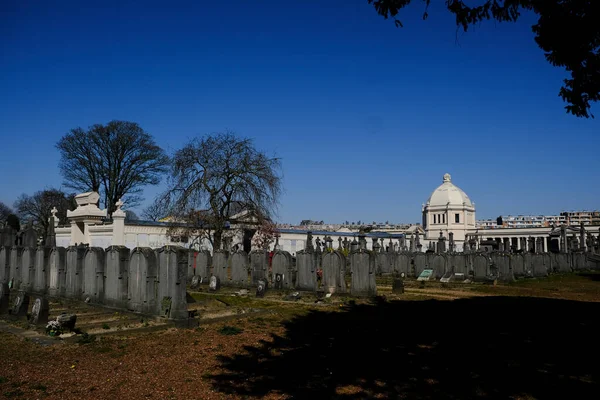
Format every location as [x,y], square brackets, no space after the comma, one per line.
[130,216]
[154,211]
[265,235]
[116,160]
[39,207]
[5,211]
[215,177]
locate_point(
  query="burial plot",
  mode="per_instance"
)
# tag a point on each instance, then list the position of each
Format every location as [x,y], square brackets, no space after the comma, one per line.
[282,267]
[334,272]
[481,267]
[362,268]
[20,305]
[402,265]
[306,263]
[203,262]
[221,266]
[57,279]
[4,264]
[116,284]
[239,269]
[93,275]
[426,275]
[502,264]
[562,262]
[143,281]
[15,267]
[438,265]
[385,263]
[27,268]
[172,270]
[4,298]
[258,265]
[518,265]
[74,272]
[39,311]
[420,262]
[538,266]
[42,270]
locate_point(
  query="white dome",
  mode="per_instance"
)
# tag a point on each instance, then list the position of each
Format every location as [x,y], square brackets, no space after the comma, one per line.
[447,194]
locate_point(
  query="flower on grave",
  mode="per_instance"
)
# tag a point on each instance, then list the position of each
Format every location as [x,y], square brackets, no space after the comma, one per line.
[53,328]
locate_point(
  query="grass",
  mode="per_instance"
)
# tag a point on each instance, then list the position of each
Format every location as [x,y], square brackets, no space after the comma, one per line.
[230,330]
[105,326]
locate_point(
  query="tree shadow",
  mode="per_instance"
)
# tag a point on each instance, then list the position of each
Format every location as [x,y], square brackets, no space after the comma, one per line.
[485,347]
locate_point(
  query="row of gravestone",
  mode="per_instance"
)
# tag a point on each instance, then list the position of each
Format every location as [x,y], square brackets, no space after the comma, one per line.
[143,280]
[240,269]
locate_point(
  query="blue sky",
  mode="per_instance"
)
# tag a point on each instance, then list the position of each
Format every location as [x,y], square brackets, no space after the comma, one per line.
[366,117]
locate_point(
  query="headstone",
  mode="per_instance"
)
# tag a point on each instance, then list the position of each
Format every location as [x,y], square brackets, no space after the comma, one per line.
[562,262]
[398,286]
[538,266]
[67,321]
[306,263]
[57,276]
[172,279]
[420,263]
[4,298]
[334,272]
[259,264]
[116,284]
[481,267]
[39,311]
[15,266]
[278,281]
[438,265]
[220,266]
[195,284]
[402,265]
[215,283]
[518,265]
[261,288]
[143,281]
[93,275]
[385,263]
[74,272]
[426,275]
[42,270]
[501,262]
[4,264]
[203,263]
[21,305]
[239,269]
[282,264]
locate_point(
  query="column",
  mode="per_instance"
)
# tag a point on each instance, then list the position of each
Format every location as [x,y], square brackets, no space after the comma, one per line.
[518,243]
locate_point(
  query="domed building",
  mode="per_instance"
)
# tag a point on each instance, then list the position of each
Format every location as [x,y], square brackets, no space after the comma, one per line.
[449,209]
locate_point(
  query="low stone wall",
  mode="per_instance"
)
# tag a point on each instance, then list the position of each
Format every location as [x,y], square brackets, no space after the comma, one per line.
[144,280]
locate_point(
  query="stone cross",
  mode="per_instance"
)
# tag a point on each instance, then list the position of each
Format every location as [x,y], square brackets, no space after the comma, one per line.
[340,243]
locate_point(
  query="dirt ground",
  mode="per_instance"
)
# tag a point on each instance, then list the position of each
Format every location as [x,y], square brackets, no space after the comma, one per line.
[531,339]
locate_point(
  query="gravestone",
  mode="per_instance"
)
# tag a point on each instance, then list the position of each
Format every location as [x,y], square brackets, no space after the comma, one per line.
[143,281]
[363,270]
[438,264]
[562,262]
[334,272]
[402,265]
[307,270]
[42,270]
[239,269]
[93,275]
[15,266]
[203,263]
[527,258]
[39,311]
[420,263]
[481,267]
[426,275]
[459,263]
[27,268]
[220,266]
[67,321]
[579,261]
[282,265]
[518,265]
[258,265]
[385,263]
[398,286]
[4,264]
[74,272]
[215,283]
[4,298]
[278,281]
[191,270]
[58,277]
[538,266]
[502,264]
[21,305]
[548,262]
[172,274]
[195,284]
[116,283]
[261,288]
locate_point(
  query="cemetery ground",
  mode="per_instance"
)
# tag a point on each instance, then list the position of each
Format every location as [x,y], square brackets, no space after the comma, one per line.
[531,339]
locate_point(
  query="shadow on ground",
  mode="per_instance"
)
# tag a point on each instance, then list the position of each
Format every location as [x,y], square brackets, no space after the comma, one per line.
[486,347]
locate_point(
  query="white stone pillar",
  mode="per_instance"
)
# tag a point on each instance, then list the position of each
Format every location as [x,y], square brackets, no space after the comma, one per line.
[118,236]
[518,243]
[546,244]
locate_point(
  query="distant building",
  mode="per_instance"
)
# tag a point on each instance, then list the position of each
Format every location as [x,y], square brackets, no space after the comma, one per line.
[579,217]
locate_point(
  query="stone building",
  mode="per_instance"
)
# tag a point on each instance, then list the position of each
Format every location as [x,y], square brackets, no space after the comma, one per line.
[448,210]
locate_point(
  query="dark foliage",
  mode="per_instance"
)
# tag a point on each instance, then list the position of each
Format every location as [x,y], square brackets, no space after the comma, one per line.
[567,31]
[5,211]
[38,207]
